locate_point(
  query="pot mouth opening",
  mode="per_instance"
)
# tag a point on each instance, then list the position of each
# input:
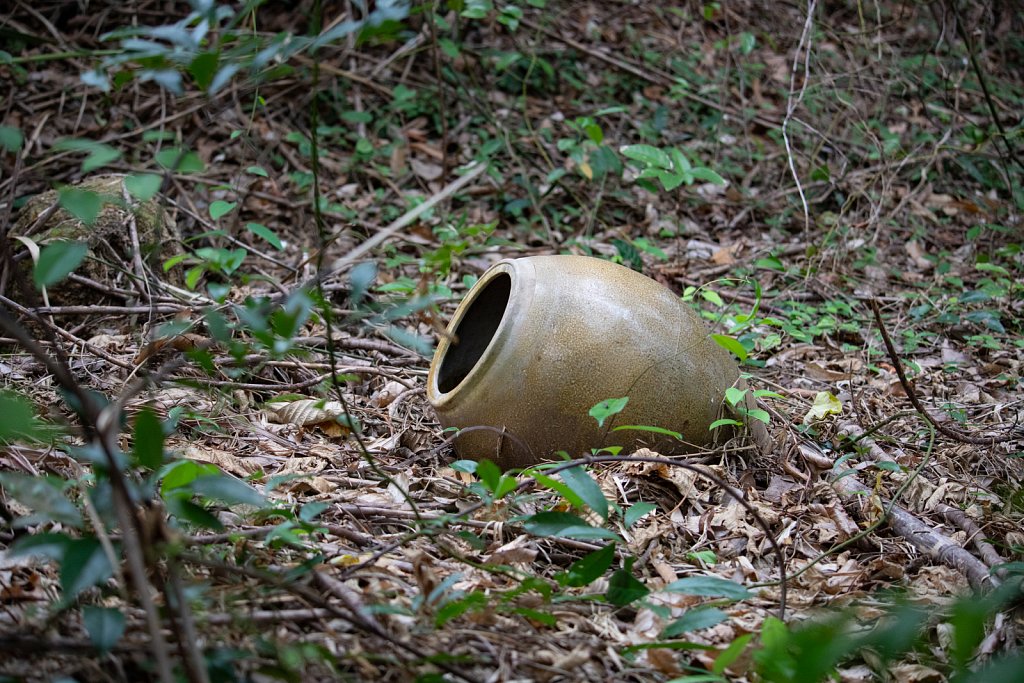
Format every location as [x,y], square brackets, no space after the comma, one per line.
[474,332]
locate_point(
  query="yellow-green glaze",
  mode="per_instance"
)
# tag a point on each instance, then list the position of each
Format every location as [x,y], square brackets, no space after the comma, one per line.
[539,340]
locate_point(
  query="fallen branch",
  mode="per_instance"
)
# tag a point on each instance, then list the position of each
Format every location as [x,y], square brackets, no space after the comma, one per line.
[918,533]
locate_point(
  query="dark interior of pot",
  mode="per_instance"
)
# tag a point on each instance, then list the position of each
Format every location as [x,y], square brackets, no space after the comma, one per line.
[474,332]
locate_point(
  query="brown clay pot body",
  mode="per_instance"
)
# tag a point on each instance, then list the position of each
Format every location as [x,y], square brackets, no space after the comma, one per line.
[539,340]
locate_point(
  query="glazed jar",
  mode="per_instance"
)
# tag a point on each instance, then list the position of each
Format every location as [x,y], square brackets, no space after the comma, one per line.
[540,340]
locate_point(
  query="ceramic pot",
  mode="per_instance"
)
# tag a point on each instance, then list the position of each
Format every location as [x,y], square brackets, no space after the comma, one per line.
[539,340]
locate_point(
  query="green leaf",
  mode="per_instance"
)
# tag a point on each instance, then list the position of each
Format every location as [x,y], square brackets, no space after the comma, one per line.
[266,233]
[85,205]
[221,207]
[608,407]
[646,154]
[589,568]
[17,417]
[187,511]
[1003,669]
[759,415]
[224,76]
[476,9]
[624,588]
[257,170]
[98,153]
[712,296]
[148,444]
[708,586]
[467,466]
[43,495]
[636,511]
[647,428]
[180,160]
[456,608]
[143,186]
[227,489]
[730,344]
[570,496]
[105,626]
[565,525]
[693,620]
[723,422]
[202,68]
[449,48]
[707,175]
[52,546]
[670,180]
[11,138]
[56,261]
[178,475]
[580,481]
[96,79]
[731,653]
[489,473]
[361,279]
[85,564]
[734,395]
[992,268]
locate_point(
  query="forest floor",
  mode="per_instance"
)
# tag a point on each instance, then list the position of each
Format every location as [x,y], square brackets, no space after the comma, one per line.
[869,163]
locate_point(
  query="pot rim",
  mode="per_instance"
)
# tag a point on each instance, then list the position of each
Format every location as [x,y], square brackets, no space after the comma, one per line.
[435,396]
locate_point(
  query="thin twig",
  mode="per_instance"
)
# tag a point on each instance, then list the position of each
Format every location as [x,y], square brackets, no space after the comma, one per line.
[912,395]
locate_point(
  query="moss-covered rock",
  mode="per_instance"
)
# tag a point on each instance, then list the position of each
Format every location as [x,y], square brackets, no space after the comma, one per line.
[111,251]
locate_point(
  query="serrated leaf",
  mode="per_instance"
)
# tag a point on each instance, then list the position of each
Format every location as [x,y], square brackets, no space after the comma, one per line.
[708,586]
[580,481]
[57,261]
[143,186]
[105,626]
[646,154]
[221,207]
